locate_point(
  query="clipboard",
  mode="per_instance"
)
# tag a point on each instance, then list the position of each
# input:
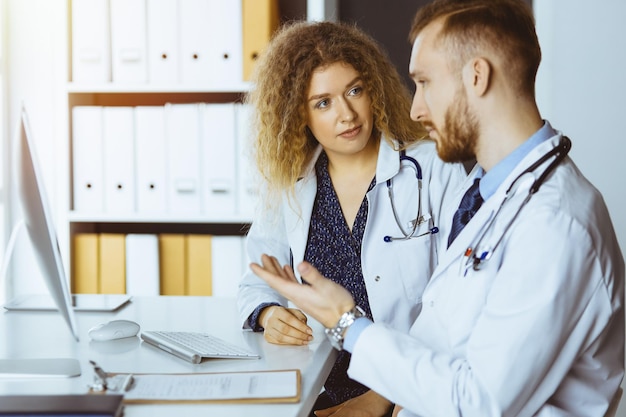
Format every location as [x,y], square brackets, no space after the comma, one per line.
[280,386]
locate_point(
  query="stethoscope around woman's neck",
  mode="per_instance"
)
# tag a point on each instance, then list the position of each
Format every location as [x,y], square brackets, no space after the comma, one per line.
[420,218]
[559,153]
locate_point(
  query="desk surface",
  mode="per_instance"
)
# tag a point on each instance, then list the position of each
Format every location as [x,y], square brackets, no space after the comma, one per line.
[45,335]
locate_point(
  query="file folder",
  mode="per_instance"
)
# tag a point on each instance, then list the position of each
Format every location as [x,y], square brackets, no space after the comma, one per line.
[183,151]
[195,41]
[142,264]
[163,38]
[278,386]
[119,160]
[246,187]
[219,151]
[227,265]
[150,159]
[172,264]
[91,55]
[88,164]
[260,20]
[112,265]
[198,271]
[128,41]
[225,41]
[85,264]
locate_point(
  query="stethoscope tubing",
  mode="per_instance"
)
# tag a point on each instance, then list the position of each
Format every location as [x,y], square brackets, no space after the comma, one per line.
[559,152]
[411,233]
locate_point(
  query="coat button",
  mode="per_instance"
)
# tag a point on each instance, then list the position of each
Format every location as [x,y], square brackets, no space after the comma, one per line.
[377,278]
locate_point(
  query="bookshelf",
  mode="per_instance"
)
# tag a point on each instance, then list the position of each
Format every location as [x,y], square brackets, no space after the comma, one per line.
[188,87]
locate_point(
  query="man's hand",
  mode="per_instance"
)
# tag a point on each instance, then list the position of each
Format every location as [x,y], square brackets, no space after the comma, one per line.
[285,326]
[370,404]
[322,299]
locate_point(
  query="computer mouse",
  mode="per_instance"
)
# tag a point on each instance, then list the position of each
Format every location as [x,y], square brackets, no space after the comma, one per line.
[115,329]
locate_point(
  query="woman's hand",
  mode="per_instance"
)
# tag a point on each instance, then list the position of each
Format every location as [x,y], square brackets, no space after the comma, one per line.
[285,326]
[322,299]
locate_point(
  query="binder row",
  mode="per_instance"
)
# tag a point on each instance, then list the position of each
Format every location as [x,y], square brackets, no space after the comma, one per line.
[175,159]
[199,42]
[151,264]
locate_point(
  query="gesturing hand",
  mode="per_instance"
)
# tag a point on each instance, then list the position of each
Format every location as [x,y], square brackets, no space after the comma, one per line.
[322,299]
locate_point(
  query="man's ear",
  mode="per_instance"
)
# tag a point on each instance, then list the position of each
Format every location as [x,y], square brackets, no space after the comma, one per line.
[478,76]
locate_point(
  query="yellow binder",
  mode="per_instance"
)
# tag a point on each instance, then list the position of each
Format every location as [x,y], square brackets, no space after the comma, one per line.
[112,263]
[85,258]
[172,264]
[260,20]
[198,259]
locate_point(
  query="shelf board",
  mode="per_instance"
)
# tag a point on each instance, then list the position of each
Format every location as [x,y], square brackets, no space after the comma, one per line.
[151,88]
[75,217]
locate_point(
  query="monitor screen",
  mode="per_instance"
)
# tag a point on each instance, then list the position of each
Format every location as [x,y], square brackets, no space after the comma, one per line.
[38,221]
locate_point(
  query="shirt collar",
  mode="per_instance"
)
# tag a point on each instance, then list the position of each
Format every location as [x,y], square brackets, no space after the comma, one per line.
[491,180]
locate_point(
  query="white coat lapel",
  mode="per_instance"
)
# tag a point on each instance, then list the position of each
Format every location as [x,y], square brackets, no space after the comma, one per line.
[469,235]
[298,212]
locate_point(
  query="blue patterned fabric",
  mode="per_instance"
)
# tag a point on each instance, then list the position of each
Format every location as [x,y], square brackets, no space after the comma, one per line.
[336,253]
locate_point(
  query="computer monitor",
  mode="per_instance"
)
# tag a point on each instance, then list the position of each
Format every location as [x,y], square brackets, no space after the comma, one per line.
[39,223]
[40,227]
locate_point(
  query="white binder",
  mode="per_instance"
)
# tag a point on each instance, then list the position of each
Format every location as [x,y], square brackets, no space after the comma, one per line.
[142,264]
[150,159]
[91,54]
[246,185]
[226,264]
[183,155]
[88,178]
[119,160]
[195,41]
[219,159]
[128,41]
[163,36]
[225,41]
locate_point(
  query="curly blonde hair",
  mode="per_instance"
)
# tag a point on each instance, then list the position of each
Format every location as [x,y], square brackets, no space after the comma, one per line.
[283,145]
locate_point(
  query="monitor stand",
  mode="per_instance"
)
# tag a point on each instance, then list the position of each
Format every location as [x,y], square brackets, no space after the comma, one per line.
[47,367]
[39,367]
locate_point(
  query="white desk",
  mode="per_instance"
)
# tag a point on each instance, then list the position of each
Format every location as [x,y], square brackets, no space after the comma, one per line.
[44,335]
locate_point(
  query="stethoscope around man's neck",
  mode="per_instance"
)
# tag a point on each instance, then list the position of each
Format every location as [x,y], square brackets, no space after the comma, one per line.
[472,258]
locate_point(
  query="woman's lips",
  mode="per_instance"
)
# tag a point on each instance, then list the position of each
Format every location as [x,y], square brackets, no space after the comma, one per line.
[350,133]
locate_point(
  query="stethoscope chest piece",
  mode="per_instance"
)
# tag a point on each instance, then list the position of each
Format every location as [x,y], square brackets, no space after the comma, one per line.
[420,218]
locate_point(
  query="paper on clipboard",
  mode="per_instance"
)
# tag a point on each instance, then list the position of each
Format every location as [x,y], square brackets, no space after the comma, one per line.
[258,386]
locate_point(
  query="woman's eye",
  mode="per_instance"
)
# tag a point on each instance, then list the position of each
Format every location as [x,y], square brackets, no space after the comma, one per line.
[355,91]
[321,104]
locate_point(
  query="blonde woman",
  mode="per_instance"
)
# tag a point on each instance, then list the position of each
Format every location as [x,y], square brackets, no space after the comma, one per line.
[340,159]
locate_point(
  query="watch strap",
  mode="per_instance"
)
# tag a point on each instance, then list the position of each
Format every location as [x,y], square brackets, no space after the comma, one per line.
[336,334]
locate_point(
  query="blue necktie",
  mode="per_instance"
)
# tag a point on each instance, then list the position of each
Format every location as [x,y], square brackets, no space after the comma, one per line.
[470,204]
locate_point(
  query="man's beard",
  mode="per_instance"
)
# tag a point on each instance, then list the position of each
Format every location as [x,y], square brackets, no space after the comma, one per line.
[459,134]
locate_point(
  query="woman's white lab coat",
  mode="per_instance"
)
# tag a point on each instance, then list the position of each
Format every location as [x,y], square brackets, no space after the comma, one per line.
[539,331]
[396,272]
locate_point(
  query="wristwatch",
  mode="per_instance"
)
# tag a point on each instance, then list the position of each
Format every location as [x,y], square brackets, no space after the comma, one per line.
[336,334]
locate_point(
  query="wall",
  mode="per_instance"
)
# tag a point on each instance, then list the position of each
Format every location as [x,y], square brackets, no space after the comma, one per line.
[36,65]
[389,23]
[581,88]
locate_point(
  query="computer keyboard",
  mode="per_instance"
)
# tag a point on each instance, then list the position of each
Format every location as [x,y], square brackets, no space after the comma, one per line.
[194,346]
